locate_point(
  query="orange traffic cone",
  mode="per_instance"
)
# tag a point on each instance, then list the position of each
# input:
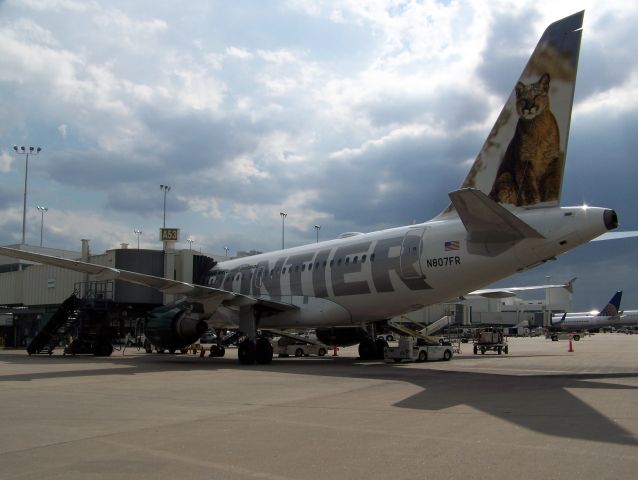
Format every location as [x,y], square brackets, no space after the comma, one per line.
[334,351]
[202,352]
[571,348]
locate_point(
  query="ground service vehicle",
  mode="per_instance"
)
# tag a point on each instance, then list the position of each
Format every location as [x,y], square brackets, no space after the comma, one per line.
[285,347]
[490,339]
[415,349]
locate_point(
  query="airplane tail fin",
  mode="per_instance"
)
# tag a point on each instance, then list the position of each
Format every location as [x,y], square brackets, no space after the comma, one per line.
[569,286]
[612,308]
[522,161]
[560,322]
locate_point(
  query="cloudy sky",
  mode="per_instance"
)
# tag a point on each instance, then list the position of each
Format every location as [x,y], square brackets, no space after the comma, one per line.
[353,115]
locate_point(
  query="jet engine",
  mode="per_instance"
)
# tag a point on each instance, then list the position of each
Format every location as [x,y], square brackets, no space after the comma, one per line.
[172,328]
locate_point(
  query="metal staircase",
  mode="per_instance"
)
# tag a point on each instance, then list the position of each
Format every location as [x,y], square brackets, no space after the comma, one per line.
[64,318]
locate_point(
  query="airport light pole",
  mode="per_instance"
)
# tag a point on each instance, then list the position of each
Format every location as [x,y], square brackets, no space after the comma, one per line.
[165,189]
[138,233]
[283,221]
[549,299]
[42,210]
[317,228]
[190,241]
[226,251]
[25,151]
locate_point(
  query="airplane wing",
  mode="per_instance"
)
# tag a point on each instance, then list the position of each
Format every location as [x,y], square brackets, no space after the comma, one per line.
[165,285]
[506,292]
[616,235]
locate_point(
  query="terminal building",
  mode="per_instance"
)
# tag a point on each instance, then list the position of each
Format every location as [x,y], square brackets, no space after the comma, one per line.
[31,293]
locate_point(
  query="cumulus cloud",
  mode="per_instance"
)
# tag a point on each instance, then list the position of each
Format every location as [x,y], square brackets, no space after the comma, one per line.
[6,161]
[354,115]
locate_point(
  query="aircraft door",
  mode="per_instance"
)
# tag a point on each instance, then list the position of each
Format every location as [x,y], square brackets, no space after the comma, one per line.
[257,282]
[411,253]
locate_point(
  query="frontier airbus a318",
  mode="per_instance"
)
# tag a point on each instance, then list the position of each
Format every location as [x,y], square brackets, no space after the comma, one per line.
[504,219]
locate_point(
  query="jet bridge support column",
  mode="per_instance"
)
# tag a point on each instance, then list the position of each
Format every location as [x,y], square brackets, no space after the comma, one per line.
[252,348]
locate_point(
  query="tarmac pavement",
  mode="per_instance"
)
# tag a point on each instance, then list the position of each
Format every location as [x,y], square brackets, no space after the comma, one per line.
[539,412]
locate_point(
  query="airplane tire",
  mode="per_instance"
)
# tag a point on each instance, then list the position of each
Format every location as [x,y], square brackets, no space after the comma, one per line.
[263,351]
[379,346]
[447,355]
[367,349]
[423,356]
[475,350]
[506,349]
[217,351]
[299,352]
[576,338]
[246,352]
[104,349]
[499,350]
[321,352]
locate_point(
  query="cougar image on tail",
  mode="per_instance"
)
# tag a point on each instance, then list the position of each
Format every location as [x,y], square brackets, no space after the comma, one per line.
[532,165]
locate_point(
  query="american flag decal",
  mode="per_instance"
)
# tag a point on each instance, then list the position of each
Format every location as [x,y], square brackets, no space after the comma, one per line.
[452,245]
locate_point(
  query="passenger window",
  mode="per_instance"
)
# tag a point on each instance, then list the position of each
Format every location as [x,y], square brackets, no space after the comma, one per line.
[332,262]
[303,267]
[309,266]
[339,262]
[347,260]
[363,259]
[325,263]
[354,260]
[283,271]
[372,257]
[296,268]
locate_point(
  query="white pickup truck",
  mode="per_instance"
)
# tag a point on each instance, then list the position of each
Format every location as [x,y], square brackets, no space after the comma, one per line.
[416,350]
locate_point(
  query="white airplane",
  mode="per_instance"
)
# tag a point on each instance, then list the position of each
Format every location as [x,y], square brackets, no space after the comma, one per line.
[504,219]
[628,317]
[607,317]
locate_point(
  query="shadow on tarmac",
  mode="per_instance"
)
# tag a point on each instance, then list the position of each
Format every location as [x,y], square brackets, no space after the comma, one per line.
[541,403]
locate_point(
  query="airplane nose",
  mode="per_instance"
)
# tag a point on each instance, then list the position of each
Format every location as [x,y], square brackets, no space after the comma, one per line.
[611,219]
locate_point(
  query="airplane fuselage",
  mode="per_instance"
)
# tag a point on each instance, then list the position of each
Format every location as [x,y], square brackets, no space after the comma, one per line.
[378,275]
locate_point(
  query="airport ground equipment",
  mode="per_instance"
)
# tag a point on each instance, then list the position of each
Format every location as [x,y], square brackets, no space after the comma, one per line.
[414,349]
[490,339]
[84,316]
[298,345]
[56,328]
[556,336]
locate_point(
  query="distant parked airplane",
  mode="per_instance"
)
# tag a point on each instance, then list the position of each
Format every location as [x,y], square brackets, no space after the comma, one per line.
[579,321]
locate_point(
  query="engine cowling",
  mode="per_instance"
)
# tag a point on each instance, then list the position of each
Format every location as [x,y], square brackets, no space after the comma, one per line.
[172,328]
[341,336]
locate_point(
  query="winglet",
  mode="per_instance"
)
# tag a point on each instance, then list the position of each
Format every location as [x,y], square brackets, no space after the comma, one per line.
[488,222]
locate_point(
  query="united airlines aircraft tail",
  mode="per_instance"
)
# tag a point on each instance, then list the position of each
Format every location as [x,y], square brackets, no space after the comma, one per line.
[522,161]
[612,308]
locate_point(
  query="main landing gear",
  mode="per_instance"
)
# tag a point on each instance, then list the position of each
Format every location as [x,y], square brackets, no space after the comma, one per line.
[251,348]
[371,349]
